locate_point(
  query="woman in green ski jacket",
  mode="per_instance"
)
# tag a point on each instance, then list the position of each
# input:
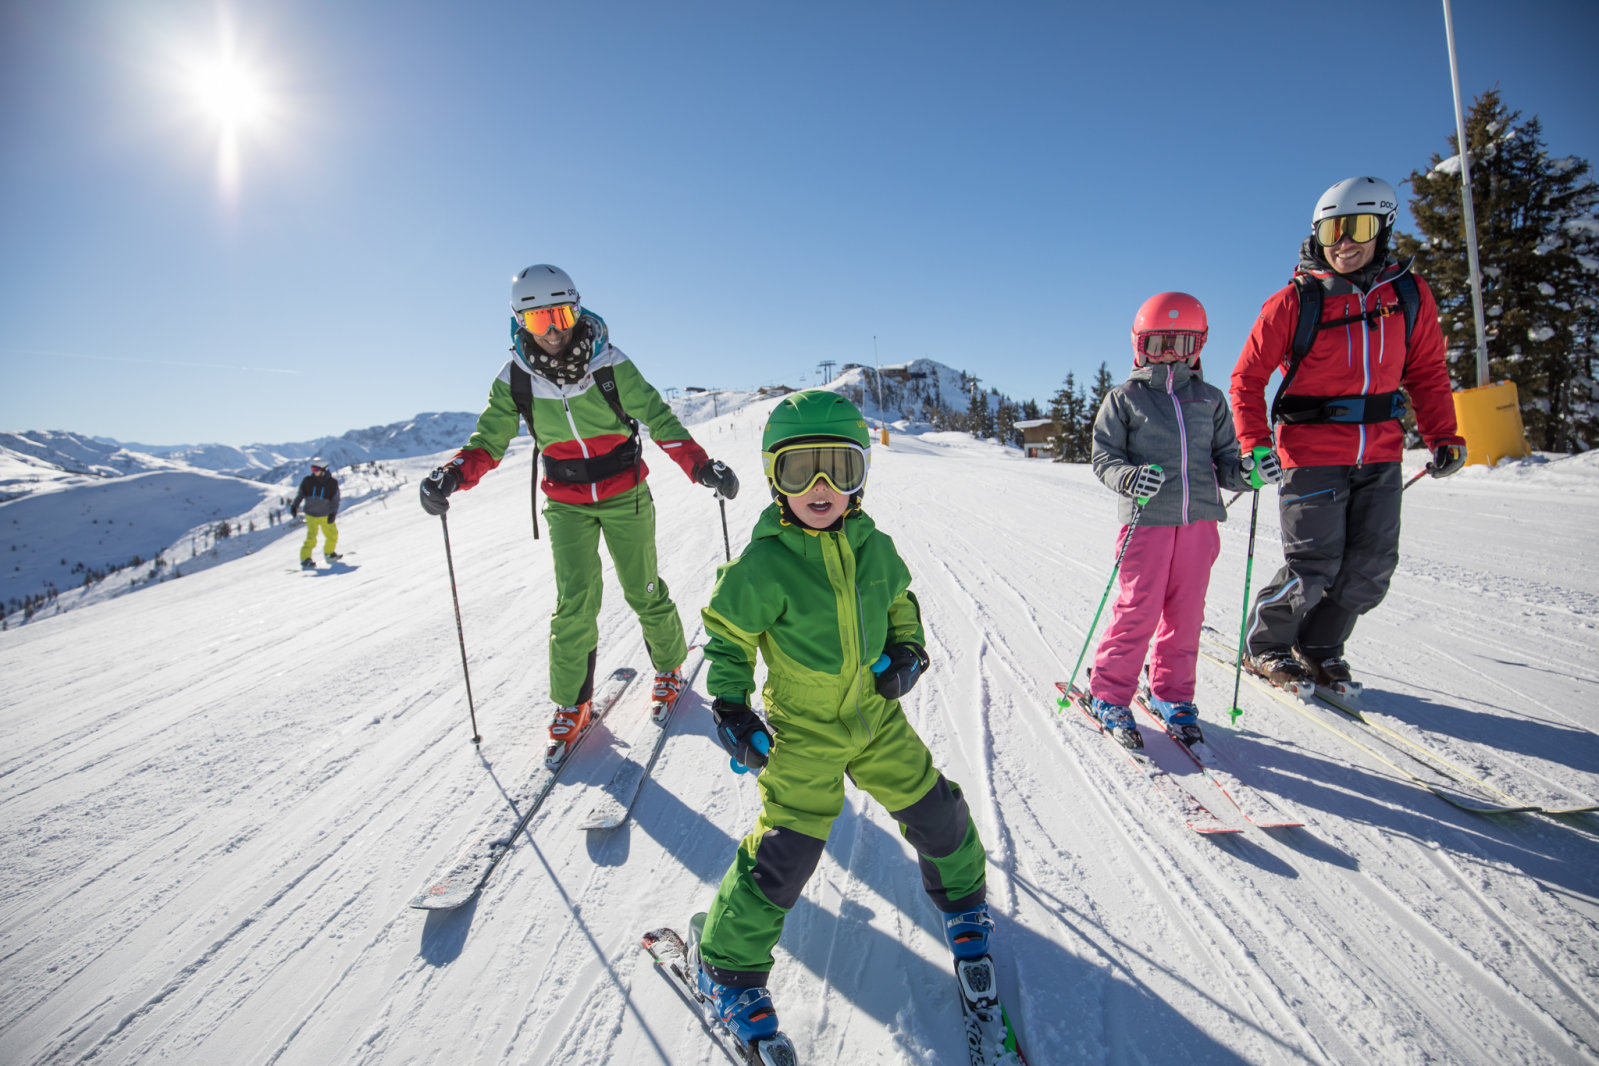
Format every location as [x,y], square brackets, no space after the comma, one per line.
[582,400]
[824,598]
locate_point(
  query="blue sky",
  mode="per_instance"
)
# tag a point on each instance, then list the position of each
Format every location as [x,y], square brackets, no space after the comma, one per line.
[741,189]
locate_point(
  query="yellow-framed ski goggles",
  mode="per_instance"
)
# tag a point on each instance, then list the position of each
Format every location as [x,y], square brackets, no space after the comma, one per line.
[1358,228]
[794,468]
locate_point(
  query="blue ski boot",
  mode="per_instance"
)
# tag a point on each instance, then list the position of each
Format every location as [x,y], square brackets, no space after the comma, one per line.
[1181,718]
[1117,721]
[967,931]
[746,1012]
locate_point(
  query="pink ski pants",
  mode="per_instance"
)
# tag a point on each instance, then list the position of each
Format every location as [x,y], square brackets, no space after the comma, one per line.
[1161,594]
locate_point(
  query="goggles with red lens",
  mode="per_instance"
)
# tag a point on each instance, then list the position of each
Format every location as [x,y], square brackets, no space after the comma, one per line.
[1183,345]
[1358,228]
[796,468]
[560,317]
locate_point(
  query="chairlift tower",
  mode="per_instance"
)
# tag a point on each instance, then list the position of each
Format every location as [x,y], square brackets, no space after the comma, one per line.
[826,367]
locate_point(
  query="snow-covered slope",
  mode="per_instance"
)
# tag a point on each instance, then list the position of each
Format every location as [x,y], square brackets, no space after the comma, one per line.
[219,793]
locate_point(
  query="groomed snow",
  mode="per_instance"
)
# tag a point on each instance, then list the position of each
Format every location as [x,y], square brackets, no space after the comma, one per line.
[219,792]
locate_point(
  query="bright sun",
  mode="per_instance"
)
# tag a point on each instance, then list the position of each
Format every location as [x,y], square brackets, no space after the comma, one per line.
[229,93]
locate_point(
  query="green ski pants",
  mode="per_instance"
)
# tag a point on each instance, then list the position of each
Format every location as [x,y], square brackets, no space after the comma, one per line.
[628,522]
[802,792]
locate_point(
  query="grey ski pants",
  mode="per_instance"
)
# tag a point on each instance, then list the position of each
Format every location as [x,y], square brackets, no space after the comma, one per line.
[1340,527]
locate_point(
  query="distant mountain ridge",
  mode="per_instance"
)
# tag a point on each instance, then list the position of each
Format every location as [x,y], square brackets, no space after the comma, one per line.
[919,391]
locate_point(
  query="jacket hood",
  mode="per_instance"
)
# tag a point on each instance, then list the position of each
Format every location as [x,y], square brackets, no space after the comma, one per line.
[856,528]
[1155,374]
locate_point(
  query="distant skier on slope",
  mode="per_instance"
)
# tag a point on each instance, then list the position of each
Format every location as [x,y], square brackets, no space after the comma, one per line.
[319,491]
[1337,426]
[822,595]
[582,400]
[1164,435]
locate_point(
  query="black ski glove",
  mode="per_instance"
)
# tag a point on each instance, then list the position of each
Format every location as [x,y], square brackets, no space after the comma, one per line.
[906,662]
[736,729]
[715,474]
[436,489]
[1446,459]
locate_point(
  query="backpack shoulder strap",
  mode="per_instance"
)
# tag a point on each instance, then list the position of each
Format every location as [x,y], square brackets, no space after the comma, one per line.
[522,393]
[1309,290]
[1409,300]
[605,378]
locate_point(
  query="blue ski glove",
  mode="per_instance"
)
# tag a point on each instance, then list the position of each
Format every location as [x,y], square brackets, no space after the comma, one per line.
[715,474]
[1261,467]
[898,669]
[436,489]
[741,733]
[1446,459]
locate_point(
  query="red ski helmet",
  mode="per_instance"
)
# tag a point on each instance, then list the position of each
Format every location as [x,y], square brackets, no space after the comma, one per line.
[1169,320]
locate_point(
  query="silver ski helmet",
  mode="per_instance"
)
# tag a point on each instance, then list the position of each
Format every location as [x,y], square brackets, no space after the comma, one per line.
[541,285]
[320,465]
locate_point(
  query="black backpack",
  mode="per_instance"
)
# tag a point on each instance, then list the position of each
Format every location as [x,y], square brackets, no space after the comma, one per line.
[1381,407]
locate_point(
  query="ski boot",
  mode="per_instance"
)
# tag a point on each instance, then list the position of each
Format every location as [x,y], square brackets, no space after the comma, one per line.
[1279,667]
[668,687]
[745,1014]
[966,933]
[332,557]
[1181,718]
[569,724]
[1331,673]
[307,564]
[1117,722]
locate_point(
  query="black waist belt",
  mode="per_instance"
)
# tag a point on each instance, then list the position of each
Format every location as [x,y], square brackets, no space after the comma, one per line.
[1357,410]
[584,471]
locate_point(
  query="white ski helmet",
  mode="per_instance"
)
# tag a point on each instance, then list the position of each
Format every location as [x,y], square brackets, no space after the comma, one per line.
[1358,196]
[541,285]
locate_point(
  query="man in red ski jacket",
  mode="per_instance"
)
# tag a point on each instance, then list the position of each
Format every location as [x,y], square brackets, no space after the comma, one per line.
[1338,436]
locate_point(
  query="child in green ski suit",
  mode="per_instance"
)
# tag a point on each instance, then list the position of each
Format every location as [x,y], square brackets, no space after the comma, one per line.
[824,597]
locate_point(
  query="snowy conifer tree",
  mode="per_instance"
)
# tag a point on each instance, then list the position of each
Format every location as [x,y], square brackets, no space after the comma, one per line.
[1538,246]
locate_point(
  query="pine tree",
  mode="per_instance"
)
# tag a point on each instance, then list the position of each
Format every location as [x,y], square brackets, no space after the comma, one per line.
[1067,408]
[1538,246]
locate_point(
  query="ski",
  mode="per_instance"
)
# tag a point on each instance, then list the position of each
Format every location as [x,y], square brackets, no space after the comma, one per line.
[1265,811]
[1460,794]
[1139,766]
[465,878]
[671,957]
[616,803]
[990,1037]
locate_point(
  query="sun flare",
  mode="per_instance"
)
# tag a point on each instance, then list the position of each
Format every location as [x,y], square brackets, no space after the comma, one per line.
[229,93]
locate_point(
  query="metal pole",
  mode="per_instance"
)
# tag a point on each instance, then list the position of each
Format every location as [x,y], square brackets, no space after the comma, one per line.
[1468,213]
[1249,568]
[444,524]
[727,545]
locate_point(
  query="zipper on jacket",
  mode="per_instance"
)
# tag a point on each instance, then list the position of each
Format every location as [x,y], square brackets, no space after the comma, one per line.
[582,446]
[1182,436]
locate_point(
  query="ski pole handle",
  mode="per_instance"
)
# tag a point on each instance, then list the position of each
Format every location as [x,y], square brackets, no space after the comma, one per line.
[760,744]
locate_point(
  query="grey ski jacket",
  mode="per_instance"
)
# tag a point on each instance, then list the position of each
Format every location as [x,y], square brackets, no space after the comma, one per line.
[1169,415]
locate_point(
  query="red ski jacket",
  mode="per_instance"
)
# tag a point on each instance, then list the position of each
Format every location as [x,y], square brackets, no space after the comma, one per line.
[1354,359]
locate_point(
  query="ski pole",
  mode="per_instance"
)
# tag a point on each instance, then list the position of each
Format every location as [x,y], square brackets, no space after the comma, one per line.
[727,546]
[1138,512]
[1243,627]
[449,560]
[1423,472]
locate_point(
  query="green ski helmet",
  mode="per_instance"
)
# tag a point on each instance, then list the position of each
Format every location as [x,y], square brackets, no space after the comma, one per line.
[814,415]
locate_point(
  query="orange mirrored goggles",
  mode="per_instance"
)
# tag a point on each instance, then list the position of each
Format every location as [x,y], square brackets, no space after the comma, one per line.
[1358,228]
[560,317]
